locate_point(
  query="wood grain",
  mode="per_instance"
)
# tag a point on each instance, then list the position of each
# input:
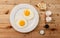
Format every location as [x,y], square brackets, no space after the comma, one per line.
[6,31]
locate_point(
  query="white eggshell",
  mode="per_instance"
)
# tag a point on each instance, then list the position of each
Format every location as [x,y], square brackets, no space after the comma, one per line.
[48,13]
[48,19]
[42,32]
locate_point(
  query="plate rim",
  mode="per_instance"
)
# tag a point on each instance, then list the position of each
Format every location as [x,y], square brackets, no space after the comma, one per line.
[12,18]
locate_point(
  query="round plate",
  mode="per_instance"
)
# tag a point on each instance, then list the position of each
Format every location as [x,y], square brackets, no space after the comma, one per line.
[32,24]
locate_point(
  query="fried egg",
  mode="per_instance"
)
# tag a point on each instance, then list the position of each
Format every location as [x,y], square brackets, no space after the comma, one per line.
[22,23]
[28,14]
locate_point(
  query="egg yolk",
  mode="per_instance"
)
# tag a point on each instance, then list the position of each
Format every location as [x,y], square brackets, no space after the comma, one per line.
[26,12]
[21,22]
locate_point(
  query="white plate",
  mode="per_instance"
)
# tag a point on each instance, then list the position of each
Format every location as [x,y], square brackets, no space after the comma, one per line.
[32,23]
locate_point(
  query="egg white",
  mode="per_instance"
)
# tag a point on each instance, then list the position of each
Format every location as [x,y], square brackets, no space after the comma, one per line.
[17,23]
[30,16]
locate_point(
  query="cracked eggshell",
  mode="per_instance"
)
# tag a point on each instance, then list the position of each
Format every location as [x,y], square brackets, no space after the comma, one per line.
[42,32]
[42,5]
[48,19]
[48,13]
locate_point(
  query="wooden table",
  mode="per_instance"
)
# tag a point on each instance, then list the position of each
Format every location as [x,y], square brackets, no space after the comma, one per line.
[6,31]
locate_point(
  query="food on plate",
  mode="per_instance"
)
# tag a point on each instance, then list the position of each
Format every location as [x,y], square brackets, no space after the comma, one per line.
[22,23]
[28,14]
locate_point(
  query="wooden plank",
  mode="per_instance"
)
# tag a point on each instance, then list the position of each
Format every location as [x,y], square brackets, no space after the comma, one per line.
[5,9]
[7,32]
[13,2]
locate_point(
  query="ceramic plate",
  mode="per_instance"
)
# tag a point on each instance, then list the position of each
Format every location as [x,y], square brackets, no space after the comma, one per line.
[17,10]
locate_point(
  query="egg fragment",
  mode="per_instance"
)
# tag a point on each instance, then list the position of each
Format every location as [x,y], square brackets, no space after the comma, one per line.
[22,23]
[48,19]
[48,13]
[42,32]
[28,14]
[42,5]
